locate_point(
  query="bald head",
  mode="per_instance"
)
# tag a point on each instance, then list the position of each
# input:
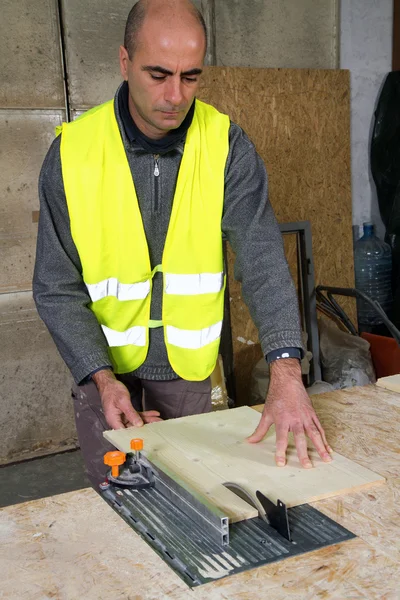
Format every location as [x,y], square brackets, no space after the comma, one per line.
[168,12]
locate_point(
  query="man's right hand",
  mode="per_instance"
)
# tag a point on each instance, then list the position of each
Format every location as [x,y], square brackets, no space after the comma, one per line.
[116,401]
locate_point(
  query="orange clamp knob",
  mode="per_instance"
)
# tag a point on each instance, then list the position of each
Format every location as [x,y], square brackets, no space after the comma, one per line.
[114,460]
[137,445]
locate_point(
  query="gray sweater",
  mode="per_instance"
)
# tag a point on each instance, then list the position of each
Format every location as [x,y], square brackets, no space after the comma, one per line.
[248,223]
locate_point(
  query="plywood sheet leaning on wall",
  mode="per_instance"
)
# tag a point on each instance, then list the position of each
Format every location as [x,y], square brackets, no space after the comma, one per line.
[208,450]
[299,121]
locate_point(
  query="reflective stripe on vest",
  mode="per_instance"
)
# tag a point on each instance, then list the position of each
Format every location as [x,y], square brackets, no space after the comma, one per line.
[121,291]
[193,285]
[135,336]
[180,285]
[193,340]
[182,338]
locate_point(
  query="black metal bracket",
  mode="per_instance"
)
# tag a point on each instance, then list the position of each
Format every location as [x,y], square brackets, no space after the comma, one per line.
[277,515]
[306,278]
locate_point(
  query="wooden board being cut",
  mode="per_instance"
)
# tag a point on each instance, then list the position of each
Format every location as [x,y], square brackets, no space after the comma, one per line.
[390,383]
[209,449]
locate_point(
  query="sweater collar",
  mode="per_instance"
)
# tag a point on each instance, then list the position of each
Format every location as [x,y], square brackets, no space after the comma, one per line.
[133,133]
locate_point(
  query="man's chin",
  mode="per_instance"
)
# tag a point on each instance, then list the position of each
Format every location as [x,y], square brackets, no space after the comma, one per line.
[166,124]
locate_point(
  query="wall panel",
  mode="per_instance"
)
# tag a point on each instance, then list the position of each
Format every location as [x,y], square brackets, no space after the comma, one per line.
[299,121]
[30,56]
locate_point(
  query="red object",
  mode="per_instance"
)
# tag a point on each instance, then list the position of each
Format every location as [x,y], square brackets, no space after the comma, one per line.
[385,354]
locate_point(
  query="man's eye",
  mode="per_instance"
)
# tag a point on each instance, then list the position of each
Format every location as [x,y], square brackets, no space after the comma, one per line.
[157,77]
[191,79]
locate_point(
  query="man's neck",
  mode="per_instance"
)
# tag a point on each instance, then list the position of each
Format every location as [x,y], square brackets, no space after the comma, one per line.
[150,132]
[161,145]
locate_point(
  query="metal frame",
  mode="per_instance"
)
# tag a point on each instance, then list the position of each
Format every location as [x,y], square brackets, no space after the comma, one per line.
[307,289]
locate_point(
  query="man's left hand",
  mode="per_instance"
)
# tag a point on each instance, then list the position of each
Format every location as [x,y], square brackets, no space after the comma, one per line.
[289,407]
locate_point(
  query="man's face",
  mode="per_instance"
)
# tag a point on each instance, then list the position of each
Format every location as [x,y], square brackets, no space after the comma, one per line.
[163,75]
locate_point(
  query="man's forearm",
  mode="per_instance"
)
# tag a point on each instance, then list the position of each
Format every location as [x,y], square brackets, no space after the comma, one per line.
[285,369]
[103,378]
[250,225]
[60,295]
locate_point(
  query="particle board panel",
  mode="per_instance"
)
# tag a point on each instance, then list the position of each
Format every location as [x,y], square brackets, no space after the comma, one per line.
[54,547]
[299,121]
[209,449]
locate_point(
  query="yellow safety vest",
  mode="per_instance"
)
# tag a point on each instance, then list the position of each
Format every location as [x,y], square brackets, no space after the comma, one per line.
[107,229]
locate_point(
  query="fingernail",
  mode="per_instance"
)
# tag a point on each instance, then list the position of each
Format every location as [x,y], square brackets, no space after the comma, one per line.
[330,449]
[280,462]
[307,464]
[327,458]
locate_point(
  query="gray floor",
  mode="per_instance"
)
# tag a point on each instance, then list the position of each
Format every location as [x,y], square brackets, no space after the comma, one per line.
[42,477]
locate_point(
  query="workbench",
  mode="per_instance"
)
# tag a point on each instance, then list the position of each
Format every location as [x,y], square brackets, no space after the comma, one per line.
[74,546]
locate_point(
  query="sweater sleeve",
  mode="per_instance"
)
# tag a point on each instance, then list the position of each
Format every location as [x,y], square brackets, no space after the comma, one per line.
[58,289]
[250,226]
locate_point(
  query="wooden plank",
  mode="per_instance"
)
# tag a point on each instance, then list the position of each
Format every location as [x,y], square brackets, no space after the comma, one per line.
[210,449]
[390,383]
[75,546]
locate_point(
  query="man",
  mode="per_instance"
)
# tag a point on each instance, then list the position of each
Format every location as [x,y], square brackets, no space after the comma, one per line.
[129,268]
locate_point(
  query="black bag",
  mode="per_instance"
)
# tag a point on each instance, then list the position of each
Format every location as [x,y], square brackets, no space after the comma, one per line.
[385,168]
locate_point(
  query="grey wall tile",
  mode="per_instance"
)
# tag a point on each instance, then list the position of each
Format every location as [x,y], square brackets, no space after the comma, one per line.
[35,384]
[25,136]
[30,58]
[277,33]
[94,30]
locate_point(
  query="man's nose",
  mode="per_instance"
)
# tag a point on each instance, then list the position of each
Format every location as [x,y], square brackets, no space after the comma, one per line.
[173,91]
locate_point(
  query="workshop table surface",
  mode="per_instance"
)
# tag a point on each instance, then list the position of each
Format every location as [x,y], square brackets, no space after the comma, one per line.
[74,546]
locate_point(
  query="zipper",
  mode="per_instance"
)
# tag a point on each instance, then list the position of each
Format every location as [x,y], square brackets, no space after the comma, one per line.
[156,175]
[156,165]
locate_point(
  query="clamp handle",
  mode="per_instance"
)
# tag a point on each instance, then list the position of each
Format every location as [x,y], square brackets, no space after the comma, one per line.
[137,444]
[114,460]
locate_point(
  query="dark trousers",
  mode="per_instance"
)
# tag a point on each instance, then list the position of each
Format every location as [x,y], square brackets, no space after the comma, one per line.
[177,398]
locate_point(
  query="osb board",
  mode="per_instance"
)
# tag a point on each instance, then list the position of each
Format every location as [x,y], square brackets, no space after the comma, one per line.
[205,451]
[299,121]
[56,548]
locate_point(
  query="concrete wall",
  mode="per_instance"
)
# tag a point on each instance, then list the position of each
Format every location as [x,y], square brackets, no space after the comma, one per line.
[366,50]
[36,414]
[34,383]
[277,33]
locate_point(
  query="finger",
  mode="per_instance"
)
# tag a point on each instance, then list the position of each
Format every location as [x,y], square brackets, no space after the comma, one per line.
[301,447]
[282,434]
[322,432]
[316,438]
[149,413]
[152,419]
[130,413]
[261,430]
[114,420]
